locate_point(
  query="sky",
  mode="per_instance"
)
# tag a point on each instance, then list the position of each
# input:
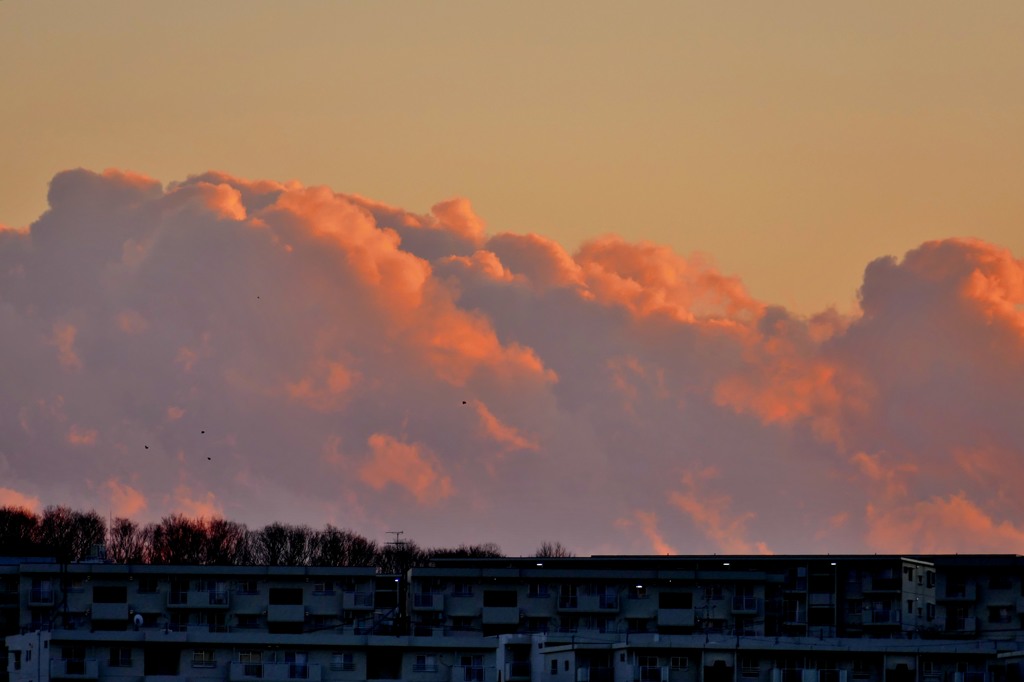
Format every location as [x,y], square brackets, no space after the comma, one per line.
[686,277]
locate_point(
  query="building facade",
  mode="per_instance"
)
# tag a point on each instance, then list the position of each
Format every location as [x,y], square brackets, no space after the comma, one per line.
[850,618]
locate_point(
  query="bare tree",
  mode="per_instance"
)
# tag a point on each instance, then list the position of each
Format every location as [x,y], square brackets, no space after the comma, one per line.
[337,547]
[487,550]
[17,531]
[126,542]
[553,550]
[280,544]
[225,543]
[178,539]
[70,534]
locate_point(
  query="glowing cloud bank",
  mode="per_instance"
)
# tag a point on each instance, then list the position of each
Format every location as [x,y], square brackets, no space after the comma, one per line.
[269,351]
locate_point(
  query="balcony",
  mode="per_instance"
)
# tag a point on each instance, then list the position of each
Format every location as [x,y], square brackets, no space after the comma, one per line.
[882,617]
[960,624]
[883,584]
[517,670]
[958,593]
[651,673]
[745,605]
[74,669]
[110,611]
[500,615]
[589,603]
[676,617]
[355,601]
[286,613]
[473,673]
[427,602]
[198,599]
[41,596]
[594,674]
[275,672]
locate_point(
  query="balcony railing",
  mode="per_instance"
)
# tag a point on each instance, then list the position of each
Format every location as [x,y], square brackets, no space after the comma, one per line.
[41,596]
[473,673]
[886,617]
[275,672]
[651,673]
[744,604]
[198,599]
[357,600]
[74,669]
[427,601]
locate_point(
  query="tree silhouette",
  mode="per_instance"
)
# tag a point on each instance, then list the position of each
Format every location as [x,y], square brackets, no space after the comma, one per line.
[17,531]
[126,542]
[553,550]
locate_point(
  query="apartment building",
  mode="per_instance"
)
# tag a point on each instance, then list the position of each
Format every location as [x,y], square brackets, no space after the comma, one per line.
[844,618]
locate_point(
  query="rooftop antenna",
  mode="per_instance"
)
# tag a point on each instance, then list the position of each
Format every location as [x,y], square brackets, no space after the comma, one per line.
[398,537]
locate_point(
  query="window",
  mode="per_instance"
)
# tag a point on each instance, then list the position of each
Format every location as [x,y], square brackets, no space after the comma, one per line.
[1000,581]
[861,670]
[909,572]
[638,592]
[286,596]
[473,668]
[248,587]
[120,657]
[749,666]
[910,606]
[323,588]
[929,578]
[463,623]
[148,584]
[930,611]
[675,600]
[713,592]
[567,665]
[1000,614]
[425,663]
[248,621]
[343,660]
[252,662]
[17,660]
[538,624]
[203,658]
[679,663]
[637,624]
[537,590]
[462,589]
[500,598]
[554,666]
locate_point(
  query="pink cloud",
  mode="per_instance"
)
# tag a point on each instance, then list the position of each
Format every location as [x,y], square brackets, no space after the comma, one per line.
[508,436]
[712,514]
[125,501]
[407,465]
[941,525]
[64,339]
[13,498]
[78,435]
[190,503]
[256,342]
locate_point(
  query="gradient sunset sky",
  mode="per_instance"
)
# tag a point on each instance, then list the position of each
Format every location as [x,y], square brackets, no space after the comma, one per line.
[670,277]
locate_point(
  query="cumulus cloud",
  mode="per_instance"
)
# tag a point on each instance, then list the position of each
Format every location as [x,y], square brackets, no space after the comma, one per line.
[268,351]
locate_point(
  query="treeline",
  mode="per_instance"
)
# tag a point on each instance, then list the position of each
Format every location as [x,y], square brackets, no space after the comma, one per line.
[70,535]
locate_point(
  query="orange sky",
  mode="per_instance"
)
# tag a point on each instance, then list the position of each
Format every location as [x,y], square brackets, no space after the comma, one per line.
[792,142]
